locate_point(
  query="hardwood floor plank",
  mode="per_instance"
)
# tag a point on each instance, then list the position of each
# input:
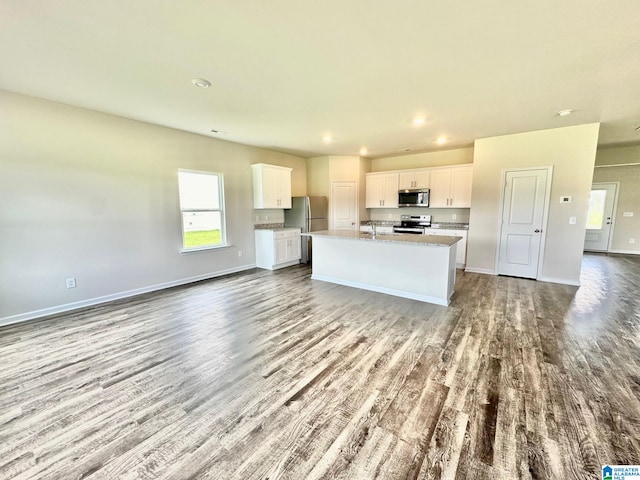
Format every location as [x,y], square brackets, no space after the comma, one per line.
[445,447]
[273,375]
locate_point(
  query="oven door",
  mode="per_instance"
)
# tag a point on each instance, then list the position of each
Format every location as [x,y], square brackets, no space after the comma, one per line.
[413,230]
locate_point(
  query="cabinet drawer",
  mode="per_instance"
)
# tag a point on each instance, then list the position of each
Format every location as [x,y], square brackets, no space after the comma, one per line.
[286,234]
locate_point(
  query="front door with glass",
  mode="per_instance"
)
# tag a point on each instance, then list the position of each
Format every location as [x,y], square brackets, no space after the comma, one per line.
[600,216]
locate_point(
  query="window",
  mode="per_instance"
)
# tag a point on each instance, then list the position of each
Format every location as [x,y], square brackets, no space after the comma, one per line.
[595,216]
[202,208]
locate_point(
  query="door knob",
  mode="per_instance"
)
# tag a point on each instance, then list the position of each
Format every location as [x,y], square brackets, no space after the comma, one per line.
[537,230]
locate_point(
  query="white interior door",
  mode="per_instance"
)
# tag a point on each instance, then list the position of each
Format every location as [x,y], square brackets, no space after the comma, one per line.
[600,216]
[343,206]
[523,212]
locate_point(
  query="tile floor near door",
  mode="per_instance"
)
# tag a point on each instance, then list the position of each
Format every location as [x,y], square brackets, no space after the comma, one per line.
[271,375]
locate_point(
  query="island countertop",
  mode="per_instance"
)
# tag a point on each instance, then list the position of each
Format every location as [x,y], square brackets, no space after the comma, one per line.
[426,240]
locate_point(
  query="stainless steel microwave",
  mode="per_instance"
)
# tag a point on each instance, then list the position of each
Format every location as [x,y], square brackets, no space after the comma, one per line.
[418,197]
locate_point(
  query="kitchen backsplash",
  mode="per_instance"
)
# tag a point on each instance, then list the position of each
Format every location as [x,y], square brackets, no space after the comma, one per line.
[268,216]
[437,214]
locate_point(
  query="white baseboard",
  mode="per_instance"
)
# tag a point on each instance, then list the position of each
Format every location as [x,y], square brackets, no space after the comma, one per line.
[379,289]
[484,271]
[23,317]
[562,281]
[624,252]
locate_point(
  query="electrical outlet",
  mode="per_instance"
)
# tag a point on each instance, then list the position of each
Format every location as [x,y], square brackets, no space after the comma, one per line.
[632,240]
[572,220]
[454,216]
[239,253]
[627,214]
[71,282]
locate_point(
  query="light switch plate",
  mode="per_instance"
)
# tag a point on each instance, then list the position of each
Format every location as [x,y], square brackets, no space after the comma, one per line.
[572,220]
[627,214]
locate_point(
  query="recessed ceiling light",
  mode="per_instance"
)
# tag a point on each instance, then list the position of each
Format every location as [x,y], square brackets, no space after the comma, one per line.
[418,120]
[327,138]
[565,112]
[637,129]
[404,149]
[213,130]
[201,82]
[441,140]
[363,151]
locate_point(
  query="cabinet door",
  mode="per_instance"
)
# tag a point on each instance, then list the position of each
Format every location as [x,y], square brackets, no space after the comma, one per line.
[295,248]
[374,188]
[422,179]
[439,195]
[390,198]
[406,180]
[461,187]
[271,186]
[281,250]
[283,189]
[270,181]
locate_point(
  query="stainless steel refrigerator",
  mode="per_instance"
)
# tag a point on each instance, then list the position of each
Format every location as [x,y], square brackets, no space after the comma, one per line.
[310,214]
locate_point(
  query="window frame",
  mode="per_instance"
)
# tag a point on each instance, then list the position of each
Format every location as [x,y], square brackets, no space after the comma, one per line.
[221,209]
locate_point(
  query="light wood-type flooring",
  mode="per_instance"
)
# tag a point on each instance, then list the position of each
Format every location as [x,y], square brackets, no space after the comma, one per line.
[269,375]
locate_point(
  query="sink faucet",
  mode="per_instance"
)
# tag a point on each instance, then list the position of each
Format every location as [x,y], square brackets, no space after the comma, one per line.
[373,228]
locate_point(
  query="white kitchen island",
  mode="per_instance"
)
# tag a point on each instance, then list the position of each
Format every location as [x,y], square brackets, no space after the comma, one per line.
[419,267]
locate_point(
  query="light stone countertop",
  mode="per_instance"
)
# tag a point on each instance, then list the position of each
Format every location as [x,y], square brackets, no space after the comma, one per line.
[449,226]
[426,240]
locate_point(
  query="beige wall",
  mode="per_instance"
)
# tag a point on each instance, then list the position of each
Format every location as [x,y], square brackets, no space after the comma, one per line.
[571,152]
[625,228]
[318,182]
[439,158]
[94,196]
[321,171]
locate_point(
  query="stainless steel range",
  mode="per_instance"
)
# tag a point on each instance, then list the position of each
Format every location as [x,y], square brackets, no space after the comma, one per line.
[413,224]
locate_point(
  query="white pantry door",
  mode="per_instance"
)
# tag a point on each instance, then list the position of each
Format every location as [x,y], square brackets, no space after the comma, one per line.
[343,206]
[523,209]
[600,216]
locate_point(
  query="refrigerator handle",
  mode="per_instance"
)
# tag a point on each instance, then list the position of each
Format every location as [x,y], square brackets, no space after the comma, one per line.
[308,214]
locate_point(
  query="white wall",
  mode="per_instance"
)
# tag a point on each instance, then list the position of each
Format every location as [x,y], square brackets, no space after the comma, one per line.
[571,151]
[94,196]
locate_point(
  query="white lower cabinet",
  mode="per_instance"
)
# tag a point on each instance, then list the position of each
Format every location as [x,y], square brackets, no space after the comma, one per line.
[461,251]
[278,248]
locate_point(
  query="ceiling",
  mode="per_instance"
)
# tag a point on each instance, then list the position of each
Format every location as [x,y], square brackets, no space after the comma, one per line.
[284,73]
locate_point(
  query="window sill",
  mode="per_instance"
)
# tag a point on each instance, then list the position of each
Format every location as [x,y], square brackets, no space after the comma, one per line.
[204,249]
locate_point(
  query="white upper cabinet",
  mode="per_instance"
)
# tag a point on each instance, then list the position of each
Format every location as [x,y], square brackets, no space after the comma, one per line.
[451,187]
[271,186]
[382,190]
[414,179]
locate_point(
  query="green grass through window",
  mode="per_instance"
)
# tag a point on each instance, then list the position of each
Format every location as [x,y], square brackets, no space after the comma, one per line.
[202,238]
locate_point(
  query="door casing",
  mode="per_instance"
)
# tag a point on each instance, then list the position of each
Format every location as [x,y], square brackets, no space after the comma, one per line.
[613,213]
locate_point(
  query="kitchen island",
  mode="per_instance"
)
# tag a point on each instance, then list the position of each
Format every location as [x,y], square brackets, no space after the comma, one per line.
[419,267]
